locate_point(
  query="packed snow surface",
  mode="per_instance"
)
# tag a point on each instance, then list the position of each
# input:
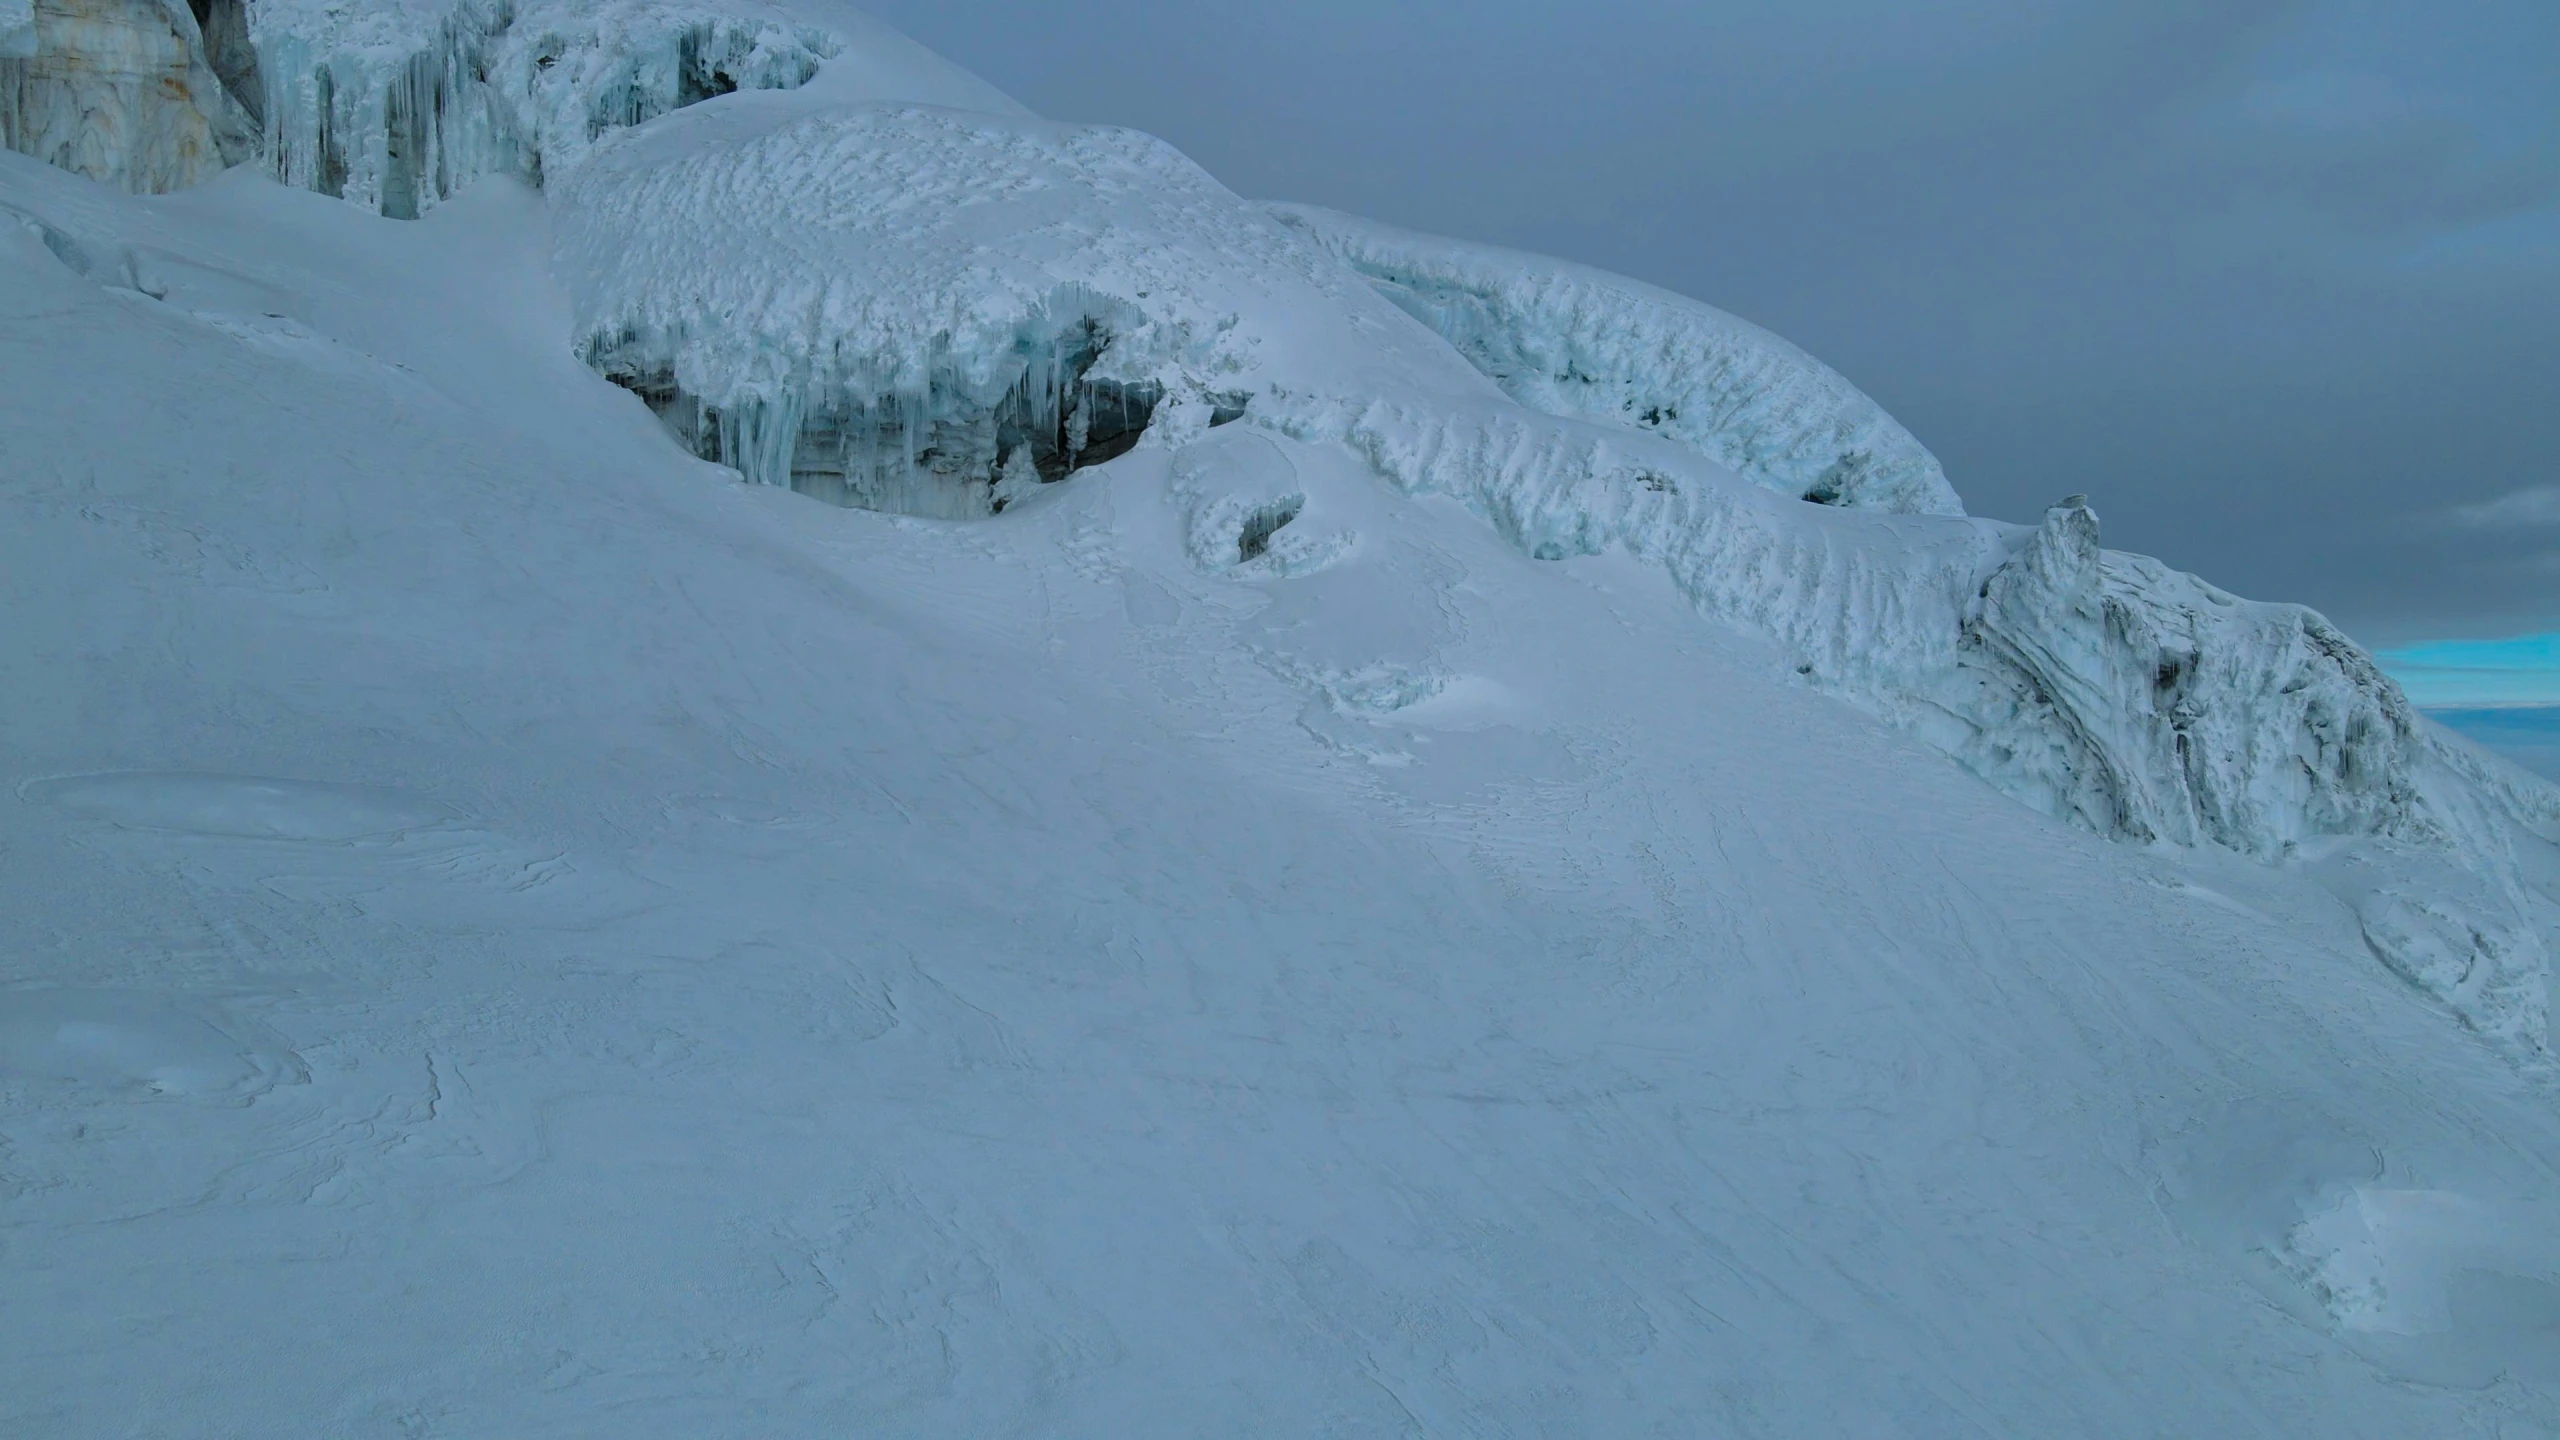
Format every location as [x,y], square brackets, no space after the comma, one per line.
[1336,892]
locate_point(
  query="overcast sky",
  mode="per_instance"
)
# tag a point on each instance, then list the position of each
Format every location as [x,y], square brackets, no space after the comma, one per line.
[2276,283]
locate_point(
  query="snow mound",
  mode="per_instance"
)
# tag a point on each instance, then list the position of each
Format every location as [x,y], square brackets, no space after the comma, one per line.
[1570,340]
[396,106]
[928,310]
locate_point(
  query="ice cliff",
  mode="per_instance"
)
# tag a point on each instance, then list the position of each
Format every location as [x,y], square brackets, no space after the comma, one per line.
[122,91]
[397,105]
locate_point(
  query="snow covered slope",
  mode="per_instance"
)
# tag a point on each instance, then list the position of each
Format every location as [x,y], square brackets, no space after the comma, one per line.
[511,931]
[936,311]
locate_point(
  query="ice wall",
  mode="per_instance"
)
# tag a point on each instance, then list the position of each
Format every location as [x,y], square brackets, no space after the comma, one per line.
[961,440]
[399,105]
[2174,711]
[1570,340]
[121,91]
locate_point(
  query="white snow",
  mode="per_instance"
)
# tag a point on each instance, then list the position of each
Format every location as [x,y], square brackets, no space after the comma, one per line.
[1372,916]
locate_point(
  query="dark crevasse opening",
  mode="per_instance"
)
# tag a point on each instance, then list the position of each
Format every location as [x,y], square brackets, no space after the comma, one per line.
[945,452]
[225,25]
[1253,541]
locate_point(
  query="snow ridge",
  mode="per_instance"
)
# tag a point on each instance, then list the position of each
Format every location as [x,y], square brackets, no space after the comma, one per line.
[1570,340]
[2098,687]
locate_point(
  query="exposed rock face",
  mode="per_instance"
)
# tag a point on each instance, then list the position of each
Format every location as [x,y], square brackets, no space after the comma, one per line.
[121,91]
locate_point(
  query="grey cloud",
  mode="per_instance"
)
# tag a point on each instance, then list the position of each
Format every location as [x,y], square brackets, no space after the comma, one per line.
[2538,506]
[2364,150]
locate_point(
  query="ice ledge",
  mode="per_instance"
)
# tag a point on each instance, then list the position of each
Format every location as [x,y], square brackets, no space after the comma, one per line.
[1570,340]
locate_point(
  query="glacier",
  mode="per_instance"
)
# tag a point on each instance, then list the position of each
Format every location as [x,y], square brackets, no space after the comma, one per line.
[1332,831]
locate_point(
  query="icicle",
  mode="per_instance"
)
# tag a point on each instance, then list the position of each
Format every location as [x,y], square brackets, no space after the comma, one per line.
[924,440]
[492,89]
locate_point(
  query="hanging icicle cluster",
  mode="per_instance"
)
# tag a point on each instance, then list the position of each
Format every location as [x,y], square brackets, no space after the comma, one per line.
[946,448]
[399,124]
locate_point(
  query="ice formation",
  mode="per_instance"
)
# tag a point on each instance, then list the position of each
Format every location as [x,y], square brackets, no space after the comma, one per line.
[2099,687]
[1571,340]
[883,306]
[928,310]
[397,105]
[122,91]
